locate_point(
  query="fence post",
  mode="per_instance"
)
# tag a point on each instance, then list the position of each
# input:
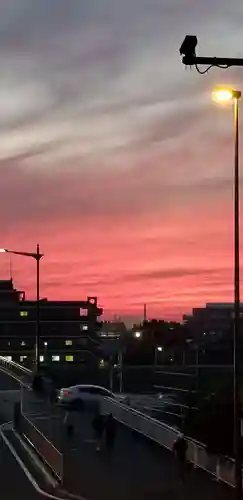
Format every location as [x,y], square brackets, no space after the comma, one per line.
[17,415]
[218,469]
[195,456]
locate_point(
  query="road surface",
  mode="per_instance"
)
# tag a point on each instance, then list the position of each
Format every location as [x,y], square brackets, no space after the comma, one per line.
[137,470]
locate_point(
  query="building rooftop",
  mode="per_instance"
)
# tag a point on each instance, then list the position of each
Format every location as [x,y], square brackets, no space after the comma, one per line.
[221,305]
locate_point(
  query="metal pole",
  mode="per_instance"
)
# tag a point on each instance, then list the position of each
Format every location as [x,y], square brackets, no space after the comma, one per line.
[155,358]
[183,357]
[197,367]
[237,422]
[121,369]
[21,399]
[111,374]
[37,340]
[10,266]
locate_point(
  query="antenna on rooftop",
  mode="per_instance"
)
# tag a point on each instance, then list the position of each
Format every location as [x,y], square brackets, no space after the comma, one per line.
[10,267]
[145,312]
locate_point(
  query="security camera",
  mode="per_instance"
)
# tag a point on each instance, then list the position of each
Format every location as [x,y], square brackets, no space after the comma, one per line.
[188,47]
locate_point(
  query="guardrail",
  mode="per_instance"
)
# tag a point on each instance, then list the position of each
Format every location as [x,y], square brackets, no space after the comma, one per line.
[44,448]
[19,371]
[220,467]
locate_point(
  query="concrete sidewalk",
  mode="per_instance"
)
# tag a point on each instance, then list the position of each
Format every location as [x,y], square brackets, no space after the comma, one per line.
[137,469]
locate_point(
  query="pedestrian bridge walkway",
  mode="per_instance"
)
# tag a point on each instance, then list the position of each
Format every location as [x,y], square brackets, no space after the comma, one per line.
[137,469]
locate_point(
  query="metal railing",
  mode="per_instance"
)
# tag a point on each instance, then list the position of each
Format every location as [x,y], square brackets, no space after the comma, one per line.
[44,448]
[23,374]
[220,467]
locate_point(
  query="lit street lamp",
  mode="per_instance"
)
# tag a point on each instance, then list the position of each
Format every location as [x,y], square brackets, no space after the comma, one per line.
[137,335]
[37,256]
[225,95]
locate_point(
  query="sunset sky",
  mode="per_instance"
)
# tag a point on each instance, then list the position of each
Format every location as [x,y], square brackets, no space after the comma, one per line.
[113,156]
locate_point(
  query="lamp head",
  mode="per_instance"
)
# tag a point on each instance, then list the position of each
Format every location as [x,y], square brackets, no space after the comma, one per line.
[188,46]
[224,94]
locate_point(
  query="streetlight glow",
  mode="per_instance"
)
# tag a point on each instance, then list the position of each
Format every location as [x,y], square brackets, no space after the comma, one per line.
[137,335]
[159,348]
[2,250]
[223,95]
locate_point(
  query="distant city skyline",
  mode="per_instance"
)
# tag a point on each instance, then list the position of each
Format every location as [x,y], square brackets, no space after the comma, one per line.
[113,156]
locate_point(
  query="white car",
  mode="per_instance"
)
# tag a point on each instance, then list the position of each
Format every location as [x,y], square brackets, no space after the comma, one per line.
[80,395]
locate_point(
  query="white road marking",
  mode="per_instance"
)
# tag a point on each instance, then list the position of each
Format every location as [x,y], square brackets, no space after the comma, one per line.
[3,391]
[39,416]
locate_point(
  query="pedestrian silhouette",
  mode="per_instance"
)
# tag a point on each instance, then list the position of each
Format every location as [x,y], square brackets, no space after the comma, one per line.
[68,424]
[98,427]
[111,431]
[180,447]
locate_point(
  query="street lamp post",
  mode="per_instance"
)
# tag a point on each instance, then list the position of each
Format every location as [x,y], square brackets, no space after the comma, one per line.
[157,349]
[120,364]
[235,95]
[37,256]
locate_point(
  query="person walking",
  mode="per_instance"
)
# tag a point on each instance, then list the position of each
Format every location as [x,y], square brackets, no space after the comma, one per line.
[98,427]
[67,421]
[111,431]
[180,451]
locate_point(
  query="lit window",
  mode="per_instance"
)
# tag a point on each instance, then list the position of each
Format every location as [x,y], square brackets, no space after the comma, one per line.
[41,359]
[55,358]
[84,327]
[23,313]
[68,342]
[23,343]
[69,357]
[22,358]
[9,358]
